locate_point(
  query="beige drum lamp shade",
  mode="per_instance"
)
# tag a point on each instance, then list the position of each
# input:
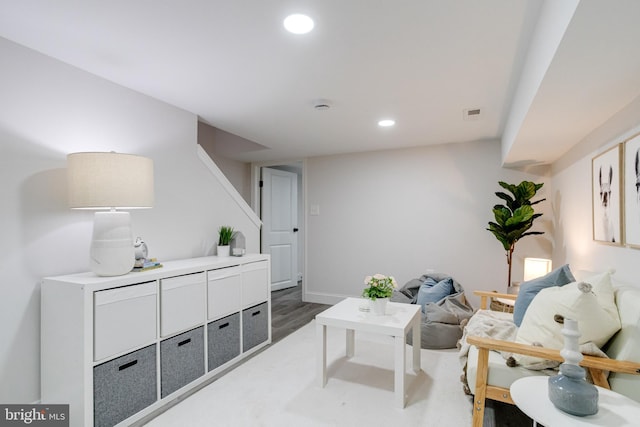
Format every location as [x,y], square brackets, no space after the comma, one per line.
[109,180]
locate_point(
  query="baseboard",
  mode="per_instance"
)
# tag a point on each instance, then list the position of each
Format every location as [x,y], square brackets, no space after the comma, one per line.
[321,298]
[279,287]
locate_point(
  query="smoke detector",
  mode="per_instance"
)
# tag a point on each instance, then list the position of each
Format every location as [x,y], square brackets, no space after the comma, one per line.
[471,114]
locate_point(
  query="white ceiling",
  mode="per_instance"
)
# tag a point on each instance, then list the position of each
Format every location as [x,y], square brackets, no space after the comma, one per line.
[421,62]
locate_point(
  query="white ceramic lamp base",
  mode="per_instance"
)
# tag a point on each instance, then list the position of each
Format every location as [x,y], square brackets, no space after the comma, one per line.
[112,252]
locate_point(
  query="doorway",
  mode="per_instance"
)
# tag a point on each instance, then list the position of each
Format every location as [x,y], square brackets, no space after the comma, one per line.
[279,200]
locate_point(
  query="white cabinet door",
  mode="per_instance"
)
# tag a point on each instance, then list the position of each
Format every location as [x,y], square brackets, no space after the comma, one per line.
[254,283]
[125,318]
[223,292]
[182,303]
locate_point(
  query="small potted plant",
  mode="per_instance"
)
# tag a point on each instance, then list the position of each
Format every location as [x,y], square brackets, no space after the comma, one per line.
[378,290]
[225,235]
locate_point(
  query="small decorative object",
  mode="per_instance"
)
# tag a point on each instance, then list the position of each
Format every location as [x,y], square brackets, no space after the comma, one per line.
[378,290]
[238,244]
[515,219]
[569,391]
[225,235]
[144,264]
[140,248]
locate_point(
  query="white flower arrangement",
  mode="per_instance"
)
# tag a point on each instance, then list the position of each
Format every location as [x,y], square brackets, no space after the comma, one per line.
[379,286]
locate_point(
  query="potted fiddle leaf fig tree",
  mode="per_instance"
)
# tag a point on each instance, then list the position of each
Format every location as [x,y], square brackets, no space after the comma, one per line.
[514,219]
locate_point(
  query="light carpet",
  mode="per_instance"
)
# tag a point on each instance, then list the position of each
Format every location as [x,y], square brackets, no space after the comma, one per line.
[279,387]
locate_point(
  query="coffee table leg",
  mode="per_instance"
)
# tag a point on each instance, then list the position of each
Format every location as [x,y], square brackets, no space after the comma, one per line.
[351,343]
[400,363]
[416,346]
[321,348]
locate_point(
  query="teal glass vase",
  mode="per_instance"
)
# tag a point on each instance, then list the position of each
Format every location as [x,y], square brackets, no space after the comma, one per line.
[569,391]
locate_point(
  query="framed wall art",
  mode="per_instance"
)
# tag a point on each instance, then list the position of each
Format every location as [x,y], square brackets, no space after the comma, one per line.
[632,191]
[607,196]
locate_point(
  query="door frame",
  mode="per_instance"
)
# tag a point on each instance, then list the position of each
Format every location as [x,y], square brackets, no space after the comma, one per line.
[302,218]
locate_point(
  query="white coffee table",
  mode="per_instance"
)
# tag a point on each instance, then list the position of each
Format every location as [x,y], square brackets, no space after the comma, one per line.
[531,395]
[397,322]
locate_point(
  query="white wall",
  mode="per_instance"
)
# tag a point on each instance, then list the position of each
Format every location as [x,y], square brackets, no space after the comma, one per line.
[572,206]
[402,212]
[238,173]
[47,110]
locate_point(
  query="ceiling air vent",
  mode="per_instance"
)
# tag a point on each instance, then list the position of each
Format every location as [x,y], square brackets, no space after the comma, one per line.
[471,114]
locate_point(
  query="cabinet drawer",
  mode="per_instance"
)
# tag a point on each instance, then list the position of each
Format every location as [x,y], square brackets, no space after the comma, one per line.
[255,326]
[223,292]
[182,303]
[181,360]
[124,318]
[124,386]
[223,340]
[255,283]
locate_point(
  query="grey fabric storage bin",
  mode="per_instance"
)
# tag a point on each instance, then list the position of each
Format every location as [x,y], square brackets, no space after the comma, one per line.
[255,328]
[181,360]
[124,386]
[223,340]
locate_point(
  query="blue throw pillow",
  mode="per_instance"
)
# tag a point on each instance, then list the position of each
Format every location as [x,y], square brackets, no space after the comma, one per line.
[528,290]
[432,291]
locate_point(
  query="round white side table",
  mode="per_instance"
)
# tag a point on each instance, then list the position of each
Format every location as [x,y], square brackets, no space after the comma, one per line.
[530,395]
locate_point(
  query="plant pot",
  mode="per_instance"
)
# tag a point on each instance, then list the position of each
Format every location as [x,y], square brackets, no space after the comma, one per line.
[223,251]
[378,306]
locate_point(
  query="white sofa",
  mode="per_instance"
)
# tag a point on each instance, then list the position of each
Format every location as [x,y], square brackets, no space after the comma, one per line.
[489,377]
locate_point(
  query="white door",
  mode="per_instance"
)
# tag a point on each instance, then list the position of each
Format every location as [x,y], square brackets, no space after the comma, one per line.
[279,236]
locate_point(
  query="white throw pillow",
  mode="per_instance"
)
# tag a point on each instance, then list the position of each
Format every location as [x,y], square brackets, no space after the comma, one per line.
[595,311]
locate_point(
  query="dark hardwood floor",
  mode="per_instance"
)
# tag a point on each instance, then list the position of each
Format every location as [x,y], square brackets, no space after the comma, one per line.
[289,313]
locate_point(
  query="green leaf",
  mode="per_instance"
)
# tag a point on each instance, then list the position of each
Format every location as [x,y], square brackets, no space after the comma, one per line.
[500,235]
[520,215]
[525,191]
[510,187]
[532,233]
[504,196]
[502,215]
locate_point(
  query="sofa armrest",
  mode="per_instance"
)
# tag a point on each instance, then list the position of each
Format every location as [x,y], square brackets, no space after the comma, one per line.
[591,362]
[483,390]
[485,295]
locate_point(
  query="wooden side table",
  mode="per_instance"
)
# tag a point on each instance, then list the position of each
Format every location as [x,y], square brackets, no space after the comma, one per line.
[531,396]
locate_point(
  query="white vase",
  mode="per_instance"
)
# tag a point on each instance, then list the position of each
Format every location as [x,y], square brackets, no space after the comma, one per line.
[223,250]
[378,306]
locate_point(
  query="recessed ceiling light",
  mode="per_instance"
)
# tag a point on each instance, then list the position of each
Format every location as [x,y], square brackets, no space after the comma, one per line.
[298,23]
[386,123]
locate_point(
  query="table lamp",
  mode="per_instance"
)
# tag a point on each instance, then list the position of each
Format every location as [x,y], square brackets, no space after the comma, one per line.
[536,267]
[110,181]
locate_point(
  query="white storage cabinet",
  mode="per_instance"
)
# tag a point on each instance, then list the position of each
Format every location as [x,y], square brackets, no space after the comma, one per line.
[117,348]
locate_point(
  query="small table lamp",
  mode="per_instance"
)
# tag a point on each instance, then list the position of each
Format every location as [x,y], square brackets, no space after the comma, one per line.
[109,181]
[536,267]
